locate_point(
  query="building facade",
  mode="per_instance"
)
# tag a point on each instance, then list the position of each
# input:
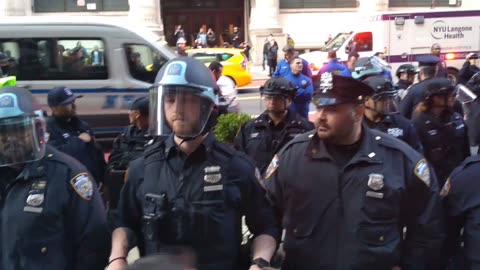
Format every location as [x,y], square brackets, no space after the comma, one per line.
[308,22]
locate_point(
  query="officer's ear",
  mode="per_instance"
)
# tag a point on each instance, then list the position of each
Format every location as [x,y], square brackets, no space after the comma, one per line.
[358,111]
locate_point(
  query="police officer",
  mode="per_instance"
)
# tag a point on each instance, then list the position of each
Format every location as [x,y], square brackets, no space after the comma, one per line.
[381,112]
[427,71]
[283,67]
[406,77]
[262,137]
[441,130]
[126,147]
[462,205]
[69,134]
[344,191]
[51,213]
[188,188]
[305,87]
[469,68]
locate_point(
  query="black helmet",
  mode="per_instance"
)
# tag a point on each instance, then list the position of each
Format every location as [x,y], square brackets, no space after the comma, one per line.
[22,127]
[188,85]
[408,68]
[438,86]
[380,85]
[277,87]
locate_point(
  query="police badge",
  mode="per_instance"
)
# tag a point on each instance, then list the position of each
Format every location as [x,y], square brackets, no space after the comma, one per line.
[326,82]
[35,199]
[375,181]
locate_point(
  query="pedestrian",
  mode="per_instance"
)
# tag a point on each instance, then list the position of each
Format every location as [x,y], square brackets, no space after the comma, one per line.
[332,66]
[290,41]
[127,146]
[211,38]
[71,135]
[468,69]
[235,38]
[344,192]
[265,50]
[352,60]
[179,33]
[52,215]
[406,77]
[272,55]
[181,47]
[442,131]
[301,102]
[441,66]
[202,37]
[283,68]
[246,49]
[228,87]
[427,66]
[188,188]
[381,112]
[261,138]
[460,195]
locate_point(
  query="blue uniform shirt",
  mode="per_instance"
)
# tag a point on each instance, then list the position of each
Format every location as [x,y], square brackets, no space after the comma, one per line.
[332,66]
[304,93]
[283,69]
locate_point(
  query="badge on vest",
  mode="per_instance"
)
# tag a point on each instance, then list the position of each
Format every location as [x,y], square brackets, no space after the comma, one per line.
[423,172]
[375,181]
[395,132]
[36,197]
[272,167]
[212,177]
[83,186]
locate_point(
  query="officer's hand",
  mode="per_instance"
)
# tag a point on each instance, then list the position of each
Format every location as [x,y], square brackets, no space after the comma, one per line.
[85,137]
[255,267]
[118,265]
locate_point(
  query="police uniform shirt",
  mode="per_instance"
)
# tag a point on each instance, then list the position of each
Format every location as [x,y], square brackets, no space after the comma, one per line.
[217,186]
[445,143]
[398,127]
[260,138]
[352,217]
[52,217]
[462,203]
[128,146]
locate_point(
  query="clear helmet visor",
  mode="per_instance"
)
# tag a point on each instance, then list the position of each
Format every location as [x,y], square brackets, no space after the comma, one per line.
[22,139]
[183,110]
[276,104]
[464,95]
[386,103]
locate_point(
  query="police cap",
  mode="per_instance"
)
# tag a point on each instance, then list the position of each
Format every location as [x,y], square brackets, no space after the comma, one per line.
[406,68]
[428,60]
[335,89]
[472,56]
[140,104]
[17,101]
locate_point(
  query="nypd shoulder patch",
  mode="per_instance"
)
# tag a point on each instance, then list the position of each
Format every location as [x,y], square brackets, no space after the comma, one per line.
[272,167]
[446,188]
[423,172]
[83,186]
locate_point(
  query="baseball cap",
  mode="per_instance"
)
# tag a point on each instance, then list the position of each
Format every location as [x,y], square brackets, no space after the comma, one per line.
[61,95]
[140,104]
[288,48]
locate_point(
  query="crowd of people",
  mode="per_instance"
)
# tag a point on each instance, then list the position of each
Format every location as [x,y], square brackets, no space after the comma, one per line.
[383,177]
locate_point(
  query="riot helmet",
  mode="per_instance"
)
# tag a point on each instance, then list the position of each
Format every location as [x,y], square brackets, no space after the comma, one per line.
[441,87]
[275,91]
[22,127]
[384,96]
[406,68]
[183,99]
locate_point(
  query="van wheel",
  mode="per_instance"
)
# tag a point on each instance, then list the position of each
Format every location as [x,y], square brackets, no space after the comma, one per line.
[453,75]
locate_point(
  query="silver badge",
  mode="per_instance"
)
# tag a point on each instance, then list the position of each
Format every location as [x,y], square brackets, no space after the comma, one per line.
[35,199]
[326,82]
[212,178]
[375,181]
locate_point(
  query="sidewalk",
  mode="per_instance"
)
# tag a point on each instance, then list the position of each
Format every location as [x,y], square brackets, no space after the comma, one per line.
[258,78]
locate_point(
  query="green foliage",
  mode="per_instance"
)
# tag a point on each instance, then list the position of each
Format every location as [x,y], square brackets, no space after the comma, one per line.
[228,126]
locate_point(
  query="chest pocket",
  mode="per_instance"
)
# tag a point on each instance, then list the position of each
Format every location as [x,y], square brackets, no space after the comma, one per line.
[380,201]
[47,253]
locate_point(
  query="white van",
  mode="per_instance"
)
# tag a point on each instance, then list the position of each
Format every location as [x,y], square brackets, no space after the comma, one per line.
[109,64]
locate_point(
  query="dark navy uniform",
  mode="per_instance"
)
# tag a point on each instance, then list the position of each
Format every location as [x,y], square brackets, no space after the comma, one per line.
[261,139]
[402,85]
[399,127]
[445,144]
[338,218]
[63,135]
[128,146]
[196,200]
[52,217]
[462,201]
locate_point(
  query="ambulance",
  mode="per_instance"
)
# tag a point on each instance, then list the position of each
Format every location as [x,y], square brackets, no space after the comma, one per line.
[405,36]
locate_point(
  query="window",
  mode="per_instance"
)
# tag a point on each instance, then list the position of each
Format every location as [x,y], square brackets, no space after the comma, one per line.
[207,57]
[418,3]
[362,42]
[55,59]
[143,62]
[318,3]
[80,5]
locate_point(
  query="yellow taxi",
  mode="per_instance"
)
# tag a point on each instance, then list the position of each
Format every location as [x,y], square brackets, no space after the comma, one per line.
[235,63]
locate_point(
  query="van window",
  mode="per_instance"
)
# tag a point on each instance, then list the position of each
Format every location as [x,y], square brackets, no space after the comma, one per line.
[143,62]
[55,58]
[362,42]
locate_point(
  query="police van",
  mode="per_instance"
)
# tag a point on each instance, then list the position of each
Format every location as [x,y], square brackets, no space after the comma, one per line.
[109,63]
[405,36]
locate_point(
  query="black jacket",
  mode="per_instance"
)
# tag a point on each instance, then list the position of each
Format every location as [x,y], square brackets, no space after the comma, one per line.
[63,135]
[197,201]
[127,146]
[352,218]
[260,140]
[52,217]
[466,72]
